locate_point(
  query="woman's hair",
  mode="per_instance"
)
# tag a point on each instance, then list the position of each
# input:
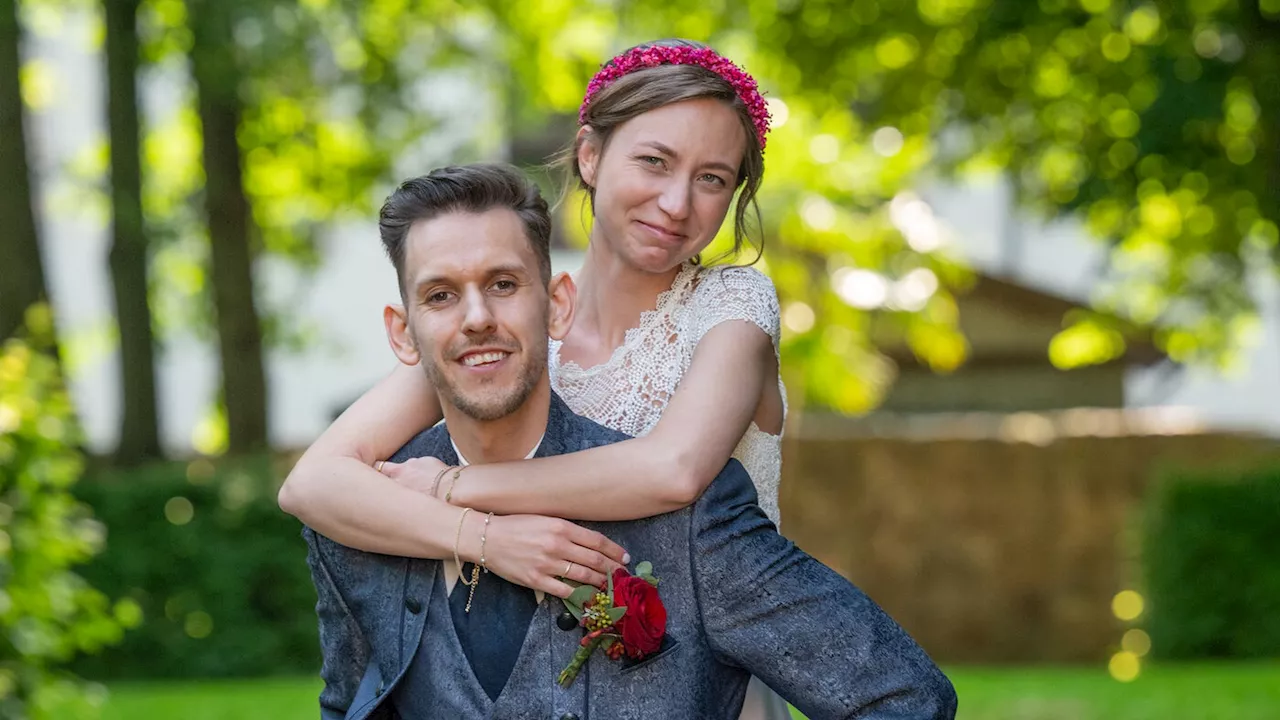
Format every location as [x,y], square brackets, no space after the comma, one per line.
[650,88]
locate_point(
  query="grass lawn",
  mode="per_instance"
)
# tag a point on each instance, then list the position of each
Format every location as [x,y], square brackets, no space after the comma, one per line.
[1183,692]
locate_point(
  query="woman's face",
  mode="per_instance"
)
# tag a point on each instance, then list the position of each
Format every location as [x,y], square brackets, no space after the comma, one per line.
[664,183]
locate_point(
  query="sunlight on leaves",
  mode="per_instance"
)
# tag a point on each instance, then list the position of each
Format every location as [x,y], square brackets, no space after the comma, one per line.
[1087,342]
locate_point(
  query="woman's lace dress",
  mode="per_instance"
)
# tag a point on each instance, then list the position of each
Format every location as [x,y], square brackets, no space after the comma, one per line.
[629,391]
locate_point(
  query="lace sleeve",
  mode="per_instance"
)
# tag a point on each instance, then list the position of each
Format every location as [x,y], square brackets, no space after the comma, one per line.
[737,293]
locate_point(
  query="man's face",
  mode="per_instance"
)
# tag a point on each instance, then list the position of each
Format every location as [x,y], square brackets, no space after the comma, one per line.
[476,310]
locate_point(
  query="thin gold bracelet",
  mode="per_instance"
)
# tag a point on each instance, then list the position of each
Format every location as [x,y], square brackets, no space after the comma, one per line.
[435,486]
[448,496]
[475,569]
[457,540]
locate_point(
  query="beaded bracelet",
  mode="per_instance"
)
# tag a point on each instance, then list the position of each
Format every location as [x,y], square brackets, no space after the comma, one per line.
[483,535]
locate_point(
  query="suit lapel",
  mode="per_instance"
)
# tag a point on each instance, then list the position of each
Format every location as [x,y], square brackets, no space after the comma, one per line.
[546,648]
[419,575]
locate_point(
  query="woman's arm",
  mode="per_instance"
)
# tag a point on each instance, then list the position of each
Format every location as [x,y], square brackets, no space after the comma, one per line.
[663,471]
[335,490]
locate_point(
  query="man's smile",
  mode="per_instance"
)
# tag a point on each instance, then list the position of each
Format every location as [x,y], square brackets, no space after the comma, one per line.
[483,358]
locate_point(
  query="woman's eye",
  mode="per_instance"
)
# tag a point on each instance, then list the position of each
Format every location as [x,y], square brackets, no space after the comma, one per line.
[651,160]
[714,179]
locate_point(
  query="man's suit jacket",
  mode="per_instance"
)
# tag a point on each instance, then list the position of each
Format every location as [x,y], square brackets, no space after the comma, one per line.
[741,600]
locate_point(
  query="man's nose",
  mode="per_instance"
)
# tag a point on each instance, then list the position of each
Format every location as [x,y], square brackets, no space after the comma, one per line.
[479,316]
[675,199]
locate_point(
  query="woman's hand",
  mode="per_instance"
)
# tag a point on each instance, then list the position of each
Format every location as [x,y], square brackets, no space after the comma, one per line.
[416,473]
[529,550]
[537,552]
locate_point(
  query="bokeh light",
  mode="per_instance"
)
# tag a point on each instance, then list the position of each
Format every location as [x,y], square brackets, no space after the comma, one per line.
[1124,666]
[1127,605]
[179,511]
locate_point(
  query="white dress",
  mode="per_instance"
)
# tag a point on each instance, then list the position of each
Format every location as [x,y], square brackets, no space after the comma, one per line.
[630,390]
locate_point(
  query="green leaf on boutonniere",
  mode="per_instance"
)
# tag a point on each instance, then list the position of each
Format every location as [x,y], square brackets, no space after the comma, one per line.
[607,641]
[644,568]
[576,611]
[610,588]
[650,579]
[577,599]
[581,595]
[615,614]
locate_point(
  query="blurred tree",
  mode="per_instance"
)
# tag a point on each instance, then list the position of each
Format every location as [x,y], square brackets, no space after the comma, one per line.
[230,223]
[139,424]
[305,108]
[22,284]
[1156,122]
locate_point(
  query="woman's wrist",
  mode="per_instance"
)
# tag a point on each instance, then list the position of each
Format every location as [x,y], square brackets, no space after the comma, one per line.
[469,537]
[460,491]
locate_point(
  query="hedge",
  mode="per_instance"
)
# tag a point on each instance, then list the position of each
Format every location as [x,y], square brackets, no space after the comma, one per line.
[219,572]
[1212,559]
[48,612]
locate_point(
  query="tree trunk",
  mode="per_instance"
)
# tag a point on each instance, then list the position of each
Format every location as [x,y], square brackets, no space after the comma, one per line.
[230,225]
[139,424]
[22,277]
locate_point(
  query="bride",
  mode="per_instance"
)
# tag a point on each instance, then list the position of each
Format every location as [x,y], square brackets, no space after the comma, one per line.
[680,355]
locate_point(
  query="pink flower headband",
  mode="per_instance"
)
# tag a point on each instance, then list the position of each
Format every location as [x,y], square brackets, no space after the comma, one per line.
[654,55]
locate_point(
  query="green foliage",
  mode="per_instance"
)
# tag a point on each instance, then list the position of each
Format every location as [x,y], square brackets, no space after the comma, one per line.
[1212,575]
[1152,121]
[219,573]
[1156,123]
[48,613]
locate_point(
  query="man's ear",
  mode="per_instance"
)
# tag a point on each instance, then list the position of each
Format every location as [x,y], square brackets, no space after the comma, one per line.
[588,155]
[398,335]
[563,300]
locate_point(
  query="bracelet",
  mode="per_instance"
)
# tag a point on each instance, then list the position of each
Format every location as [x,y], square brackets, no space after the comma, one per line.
[436,485]
[475,569]
[457,539]
[483,534]
[454,482]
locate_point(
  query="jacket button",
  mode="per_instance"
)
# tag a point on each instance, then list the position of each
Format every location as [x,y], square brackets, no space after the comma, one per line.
[566,621]
[379,691]
[569,716]
[414,605]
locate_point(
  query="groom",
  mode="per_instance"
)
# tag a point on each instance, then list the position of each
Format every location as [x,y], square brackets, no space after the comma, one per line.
[402,640]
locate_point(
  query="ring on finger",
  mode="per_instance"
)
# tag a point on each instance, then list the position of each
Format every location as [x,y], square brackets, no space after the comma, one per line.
[377,466]
[567,568]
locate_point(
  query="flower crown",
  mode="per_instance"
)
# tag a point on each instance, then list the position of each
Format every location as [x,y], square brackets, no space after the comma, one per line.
[654,55]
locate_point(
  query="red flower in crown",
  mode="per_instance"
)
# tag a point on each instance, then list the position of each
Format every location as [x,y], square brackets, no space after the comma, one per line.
[653,55]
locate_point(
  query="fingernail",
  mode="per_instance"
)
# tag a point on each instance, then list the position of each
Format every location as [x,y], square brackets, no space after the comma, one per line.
[626,558]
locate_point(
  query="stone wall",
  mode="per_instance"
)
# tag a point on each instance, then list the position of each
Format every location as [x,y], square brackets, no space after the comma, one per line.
[994,538]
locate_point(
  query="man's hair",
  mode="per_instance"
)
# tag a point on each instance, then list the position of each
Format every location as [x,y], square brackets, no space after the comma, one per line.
[465,188]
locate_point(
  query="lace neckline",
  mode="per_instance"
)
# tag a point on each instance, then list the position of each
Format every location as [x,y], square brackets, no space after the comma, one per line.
[665,300]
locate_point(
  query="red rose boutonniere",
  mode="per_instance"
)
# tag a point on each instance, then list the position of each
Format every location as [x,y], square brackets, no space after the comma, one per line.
[625,617]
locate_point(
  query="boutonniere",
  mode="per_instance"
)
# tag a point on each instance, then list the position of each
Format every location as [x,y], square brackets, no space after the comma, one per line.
[625,617]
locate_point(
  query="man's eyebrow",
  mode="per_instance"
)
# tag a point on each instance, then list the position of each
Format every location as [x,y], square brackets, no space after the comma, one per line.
[512,269]
[665,150]
[432,280]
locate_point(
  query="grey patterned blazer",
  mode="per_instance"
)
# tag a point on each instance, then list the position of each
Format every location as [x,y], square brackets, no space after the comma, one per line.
[741,600]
